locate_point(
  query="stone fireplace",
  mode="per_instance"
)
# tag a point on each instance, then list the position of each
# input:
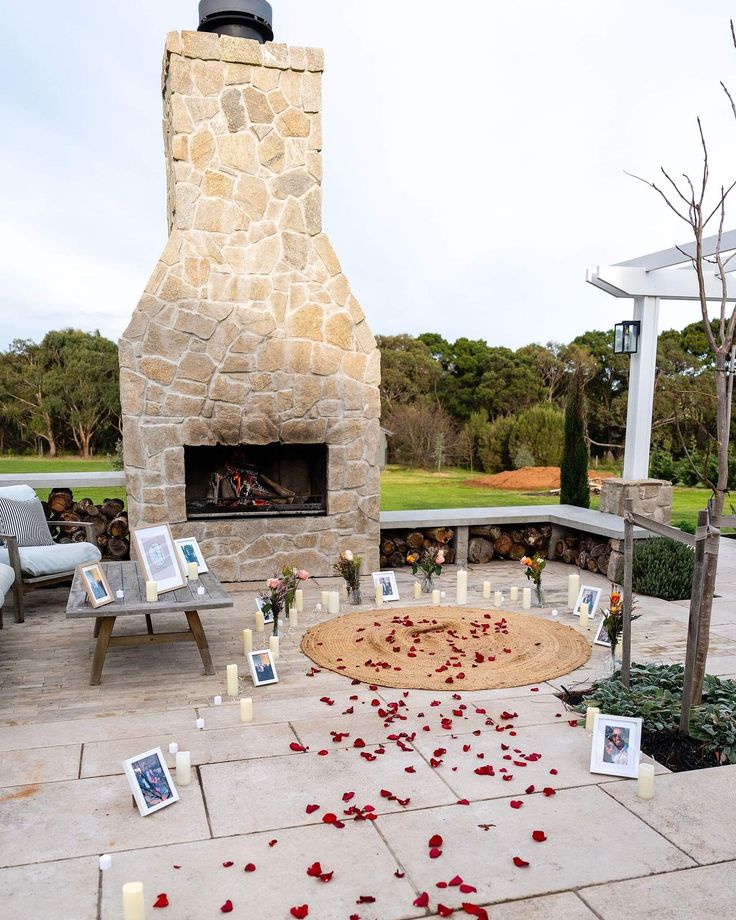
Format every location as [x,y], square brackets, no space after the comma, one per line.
[249,376]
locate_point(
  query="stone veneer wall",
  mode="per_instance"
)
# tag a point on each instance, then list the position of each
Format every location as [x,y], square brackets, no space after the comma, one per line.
[247,331]
[652,497]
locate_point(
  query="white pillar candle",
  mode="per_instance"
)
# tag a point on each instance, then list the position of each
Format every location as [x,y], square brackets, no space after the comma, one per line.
[497,599]
[487,590]
[105,862]
[193,571]
[299,600]
[173,747]
[573,589]
[260,625]
[247,641]
[590,713]
[526,598]
[273,644]
[417,590]
[133,905]
[334,602]
[199,724]
[436,597]
[514,594]
[151,591]
[232,680]
[645,784]
[379,596]
[218,700]
[325,599]
[462,586]
[183,768]
[584,615]
[246,710]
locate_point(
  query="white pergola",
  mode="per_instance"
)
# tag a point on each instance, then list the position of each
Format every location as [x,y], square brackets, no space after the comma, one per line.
[665,275]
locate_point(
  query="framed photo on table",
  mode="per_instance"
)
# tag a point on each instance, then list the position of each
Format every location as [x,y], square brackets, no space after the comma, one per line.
[387,581]
[159,557]
[150,781]
[616,746]
[95,584]
[262,668]
[589,596]
[190,552]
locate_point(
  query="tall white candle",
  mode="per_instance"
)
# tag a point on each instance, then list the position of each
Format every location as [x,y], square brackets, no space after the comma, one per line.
[260,624]
[334,602]
[299,600]
[573,589]
[497,599]
[590,713]
[247,641]
[435,597]
[294,617]
[584,615]
[246,709]
[514,594]
[273,644]
[417,590]
[645,784]
[232,680]
[193,571]
[183,768]
[487,590]
[462,586]
[325,599]
[526,598]
[133,905]
[379,596]
[151,591]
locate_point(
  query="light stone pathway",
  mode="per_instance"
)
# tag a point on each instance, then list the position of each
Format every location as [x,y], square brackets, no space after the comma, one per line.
[64,800]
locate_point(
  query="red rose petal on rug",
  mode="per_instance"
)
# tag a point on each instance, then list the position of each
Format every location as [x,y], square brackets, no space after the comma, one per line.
[315,870]
[520,863]
[161,900]
[435,853]
[249,867]
[177,867]
[516,803]
[441,885]
[422,900]
[310,809]
[539,836]
[228,864]
[435,841]
[227,907]
[444,911]
[322,753]
[409,770]
[553,772]
[548,790]
[300,912]
[347,796]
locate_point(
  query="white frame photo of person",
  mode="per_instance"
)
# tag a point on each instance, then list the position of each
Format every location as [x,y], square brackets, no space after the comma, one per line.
[140,785]
[189,551]
[590,596]
[616,746]
[93,581]
[259,679]
[386,580]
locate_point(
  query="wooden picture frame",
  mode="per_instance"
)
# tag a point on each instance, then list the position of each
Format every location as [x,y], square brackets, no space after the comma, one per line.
[190,552]
[150,781]
[95,584]
[262,668]
[159,557]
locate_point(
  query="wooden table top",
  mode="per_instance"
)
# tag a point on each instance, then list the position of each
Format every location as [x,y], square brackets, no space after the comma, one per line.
[128,576]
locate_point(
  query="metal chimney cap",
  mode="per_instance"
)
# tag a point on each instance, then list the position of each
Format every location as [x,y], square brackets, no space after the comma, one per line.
[244,18]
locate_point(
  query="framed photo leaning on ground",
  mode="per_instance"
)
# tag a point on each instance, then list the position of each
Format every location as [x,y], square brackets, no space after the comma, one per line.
[190,552]
[589,596]
[159,557]
[262,668]
[616,746]
[150,781]
[95,584]
[601,636]
[387,581]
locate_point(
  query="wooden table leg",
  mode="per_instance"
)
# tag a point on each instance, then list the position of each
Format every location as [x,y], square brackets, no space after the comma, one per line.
[103,641]
[149,624]
[96,630]
[195,627]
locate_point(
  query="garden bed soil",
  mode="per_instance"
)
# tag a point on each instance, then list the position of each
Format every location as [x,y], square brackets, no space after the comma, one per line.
[542,478]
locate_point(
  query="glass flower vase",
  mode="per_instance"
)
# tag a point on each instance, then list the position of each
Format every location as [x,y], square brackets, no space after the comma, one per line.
[355,596]
[427,584]
[539,591]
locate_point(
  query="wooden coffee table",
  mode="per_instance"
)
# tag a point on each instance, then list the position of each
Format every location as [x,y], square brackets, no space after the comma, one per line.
[127,575]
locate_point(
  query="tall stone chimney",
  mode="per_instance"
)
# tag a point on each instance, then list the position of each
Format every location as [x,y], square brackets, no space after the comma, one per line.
[248,350]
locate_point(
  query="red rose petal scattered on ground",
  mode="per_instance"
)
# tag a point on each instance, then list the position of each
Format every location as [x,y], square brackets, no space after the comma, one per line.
[322,753]
[468,889]
[272,843]
[161,900]
[422,900]
[227,907]
[435,841]
[359,743]
[310,809]
[294,746]
[409,770]
[177,867]
[399,874]
[553,772]
[463,802]
[539,836]
[444,911]
[435,853]
[228,864]
[315,870]
[529,790]
[520,863]
[366,899]
[516,803]
[300,912]
[455,881]
[249,867]
[548,790]
[329,818]
[476,911]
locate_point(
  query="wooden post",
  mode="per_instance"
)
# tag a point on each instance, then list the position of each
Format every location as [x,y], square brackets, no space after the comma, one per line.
[628,575]
[693,626]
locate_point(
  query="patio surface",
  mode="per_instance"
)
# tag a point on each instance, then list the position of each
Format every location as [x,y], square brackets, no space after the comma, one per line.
[64,799]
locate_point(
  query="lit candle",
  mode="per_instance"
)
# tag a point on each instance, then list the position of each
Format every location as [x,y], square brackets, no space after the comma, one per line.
[260,625]
[436,597]
[417,590]
[199,724]
[379,596]
[133,906]
[273,644]
[461,590]
[584,615]
[294,616]
[497,599]
[514,594]
[183,768]
[218,701]
[247,641]
[151,592]
[105,862]
[590,713]
[173,747]
[573,589]
[334,602]
[246,710]
[645,785]
[325,599]
[487,590]
[232,680]
[299,600]
[526,598]
[193,571]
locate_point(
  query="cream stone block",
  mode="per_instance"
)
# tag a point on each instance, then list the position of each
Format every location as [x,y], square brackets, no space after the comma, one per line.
[327,254]
[276,54]
[217,216]
[181,120]
[295,182]
[312,92]
[132,388]
[314,164]
[238,74]
[261,130]
[304,431]
[315,136]
[201,326]
[271,152]
[158,369]
[278,101]
[252,193]
[226,388]
[197,431]
[258,106]
[238,151]
[179,76]
[245,343]
[273,355]
[197,367]
[296,153]
[162,340]
[312,204]
[325,360]
[293,217]
[202,45]
[296,249]
[173,43]
[339,288]
[260,322]
[196,271]
[339,330]
[240,50]
[174,289]
[208,77]
[185,199]
[203,108]
[233,108]
[266,79]
[373,370]
[297,58]
[226,423]
[257,429]
[260,258]
[356,310]
[307,323]
[355,365]
[315,59]
[180,147]
[290,84]
[170,255]
[217,185]
[133,452]
[293,123]
[237,364]
[364,339]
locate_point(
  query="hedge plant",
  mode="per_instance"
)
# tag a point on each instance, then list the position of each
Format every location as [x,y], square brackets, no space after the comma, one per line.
[662,568]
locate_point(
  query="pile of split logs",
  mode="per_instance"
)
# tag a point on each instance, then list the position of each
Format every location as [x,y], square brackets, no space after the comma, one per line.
[586,552]
[109,520]
[489,541]
[396,545]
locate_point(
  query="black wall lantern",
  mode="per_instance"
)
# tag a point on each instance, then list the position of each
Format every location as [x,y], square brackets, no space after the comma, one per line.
[626,337]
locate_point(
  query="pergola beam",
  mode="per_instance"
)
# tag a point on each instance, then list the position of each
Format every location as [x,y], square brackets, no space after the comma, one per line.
[668,284]
[678,254]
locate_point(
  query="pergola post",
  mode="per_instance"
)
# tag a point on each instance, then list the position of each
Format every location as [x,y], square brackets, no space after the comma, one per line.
[642,374]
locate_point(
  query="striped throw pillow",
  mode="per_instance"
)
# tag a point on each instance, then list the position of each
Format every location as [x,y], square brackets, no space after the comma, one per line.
[26,521]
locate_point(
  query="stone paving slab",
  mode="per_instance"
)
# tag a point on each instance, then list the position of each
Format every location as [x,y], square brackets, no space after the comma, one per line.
[695,810]
[64,890]
[240,742]
[361,862]
[269,709]
[708,891]
[90,816]
[40,765]
[550,907]
[417,697]
[614,845]
[290,783]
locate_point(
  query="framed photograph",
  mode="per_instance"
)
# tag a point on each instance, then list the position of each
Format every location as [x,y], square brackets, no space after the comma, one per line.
[387,581]
[190,552]
[601,636]
[616,746]
[589,596]
[160,559]
[262,668]
[150,781]
[267,614]
[95,584]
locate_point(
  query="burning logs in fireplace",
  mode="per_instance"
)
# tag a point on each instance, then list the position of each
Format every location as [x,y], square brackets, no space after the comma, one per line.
[247,487]
[110,522]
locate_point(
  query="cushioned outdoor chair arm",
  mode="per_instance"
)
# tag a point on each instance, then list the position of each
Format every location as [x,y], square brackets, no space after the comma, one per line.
[11,542]
[89,529]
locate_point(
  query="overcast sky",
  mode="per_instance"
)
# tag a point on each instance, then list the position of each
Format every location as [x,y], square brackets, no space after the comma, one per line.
[474,154]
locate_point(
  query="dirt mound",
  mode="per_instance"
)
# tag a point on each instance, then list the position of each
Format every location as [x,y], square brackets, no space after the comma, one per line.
[530,478]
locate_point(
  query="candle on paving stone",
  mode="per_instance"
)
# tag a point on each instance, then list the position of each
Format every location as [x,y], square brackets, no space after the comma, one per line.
[417,590]
[200,590]
[487,590]
[173,747]
[497,599]
[183,768]
[645,784]
[260,625]
[105,862]
[273,644]
[246,709]
[120,594]
[334,602]
[462,586]
[294,617]
[199,724]
[526,598]
[151,591]
[325,599]
[590,713]
[299,600]
[573,589]
[247,641]
[193,571]
[514,594]
[379,596]
[232,680]
[218,701]
[584,615]
[133,904]
[435,597]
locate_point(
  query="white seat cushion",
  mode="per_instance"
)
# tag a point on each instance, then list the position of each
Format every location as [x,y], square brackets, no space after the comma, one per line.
[50,560]
[18,493]
[7,577]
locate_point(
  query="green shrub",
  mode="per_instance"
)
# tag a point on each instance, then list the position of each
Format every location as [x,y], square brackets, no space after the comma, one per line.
[574,488]
[494,444]
[662,568]
[523,458]
[539,431]
[662,465]
[685,526]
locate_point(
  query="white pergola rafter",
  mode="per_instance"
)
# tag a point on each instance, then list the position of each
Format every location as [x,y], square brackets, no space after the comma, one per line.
[665,275]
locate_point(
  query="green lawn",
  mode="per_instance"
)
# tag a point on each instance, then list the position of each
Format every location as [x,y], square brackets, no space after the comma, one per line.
[64,465]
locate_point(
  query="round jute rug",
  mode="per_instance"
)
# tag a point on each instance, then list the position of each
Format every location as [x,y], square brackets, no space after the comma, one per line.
[447,648]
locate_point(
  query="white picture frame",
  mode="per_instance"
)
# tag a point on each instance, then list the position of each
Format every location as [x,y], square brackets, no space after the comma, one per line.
[262,668]
[616,746]
[601,636]
[267,614]
[190,552]
[159,557]
[387,581]
[590,596]
[150,781]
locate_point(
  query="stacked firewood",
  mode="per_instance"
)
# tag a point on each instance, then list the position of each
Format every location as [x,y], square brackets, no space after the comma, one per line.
[490,541]
[110,522]
[587,552]
[398,545]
